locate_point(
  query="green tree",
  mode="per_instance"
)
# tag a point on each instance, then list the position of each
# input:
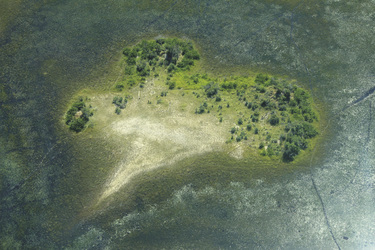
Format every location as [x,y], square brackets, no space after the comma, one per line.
[290,151]
[274,120]
[172,85]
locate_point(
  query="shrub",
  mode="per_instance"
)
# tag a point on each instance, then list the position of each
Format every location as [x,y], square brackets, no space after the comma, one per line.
[248,127]
[119,86]
[229,85]
[172,85]
[211,89]
[260,89]
[192,54]
[131,82]
[77,125]
[290,151]
[261,79]
[282,137]
[171,67]
[274,120]
[240,122]
[131,61]
[126,51]
[233,130]
[200,110]
[270,151]
[264,103]
[77,116]
[282,107]
[238,138]
[300,95]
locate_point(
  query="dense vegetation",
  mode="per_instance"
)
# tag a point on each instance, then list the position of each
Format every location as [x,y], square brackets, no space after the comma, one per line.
[147,57]
[279,108]
[120,103]
[78,115]
[271,115]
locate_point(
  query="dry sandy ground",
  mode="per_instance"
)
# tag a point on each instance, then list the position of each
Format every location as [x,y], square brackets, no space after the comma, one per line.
[156,135]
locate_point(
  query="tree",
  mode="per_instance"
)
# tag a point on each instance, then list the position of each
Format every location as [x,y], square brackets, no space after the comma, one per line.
[172,85]
[290,151]
[192,54]
[270,151]
[171,67]
[274,120]
[173,52]
[211,89]
[261,79]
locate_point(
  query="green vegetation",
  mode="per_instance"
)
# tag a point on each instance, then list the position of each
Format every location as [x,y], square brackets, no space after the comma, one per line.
[151,57]
[278,106]
[120,103]
[274,115]
[78,115]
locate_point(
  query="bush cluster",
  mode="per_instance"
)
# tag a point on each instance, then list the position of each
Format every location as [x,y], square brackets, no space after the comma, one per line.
[78,115]
[173,54]
[120,103]
[296,139]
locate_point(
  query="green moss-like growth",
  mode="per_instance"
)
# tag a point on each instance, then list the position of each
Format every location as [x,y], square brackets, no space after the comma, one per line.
[78,115]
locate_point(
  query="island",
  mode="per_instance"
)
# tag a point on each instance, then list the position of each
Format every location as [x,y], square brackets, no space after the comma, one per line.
[274,117]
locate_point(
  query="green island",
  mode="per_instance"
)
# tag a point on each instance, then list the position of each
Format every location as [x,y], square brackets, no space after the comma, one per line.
[261,113]
[78,115]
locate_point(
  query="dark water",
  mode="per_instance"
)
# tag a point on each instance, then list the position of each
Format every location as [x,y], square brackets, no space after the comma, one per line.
[51,50]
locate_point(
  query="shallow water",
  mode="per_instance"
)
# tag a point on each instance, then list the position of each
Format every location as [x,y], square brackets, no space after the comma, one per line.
[49,177]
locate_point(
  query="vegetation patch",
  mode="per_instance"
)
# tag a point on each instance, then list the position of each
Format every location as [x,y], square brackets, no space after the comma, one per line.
[275,117]
[78,115]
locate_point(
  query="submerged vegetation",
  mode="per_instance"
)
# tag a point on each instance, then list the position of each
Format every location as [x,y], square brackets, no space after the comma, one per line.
[264,113]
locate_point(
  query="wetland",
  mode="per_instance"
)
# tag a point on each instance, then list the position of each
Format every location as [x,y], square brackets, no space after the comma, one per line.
[86,180]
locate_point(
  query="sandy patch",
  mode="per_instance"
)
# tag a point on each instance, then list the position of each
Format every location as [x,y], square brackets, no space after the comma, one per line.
[159,135]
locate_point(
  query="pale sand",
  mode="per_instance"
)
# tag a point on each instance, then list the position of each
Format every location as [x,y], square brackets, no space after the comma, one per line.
[157,135]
